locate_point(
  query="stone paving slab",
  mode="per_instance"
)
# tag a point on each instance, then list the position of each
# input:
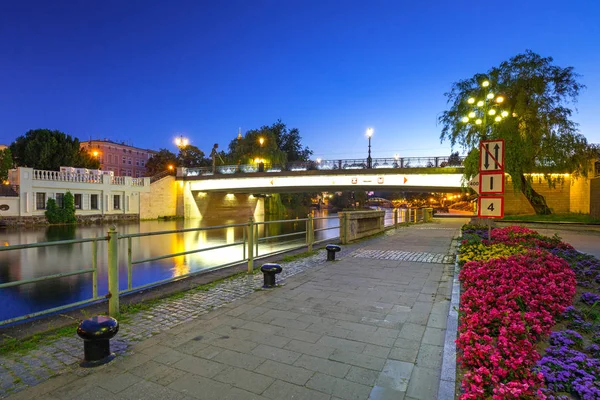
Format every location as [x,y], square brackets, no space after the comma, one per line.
[356,328]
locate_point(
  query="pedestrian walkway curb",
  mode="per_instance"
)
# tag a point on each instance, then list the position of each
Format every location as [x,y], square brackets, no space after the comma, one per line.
[447,387]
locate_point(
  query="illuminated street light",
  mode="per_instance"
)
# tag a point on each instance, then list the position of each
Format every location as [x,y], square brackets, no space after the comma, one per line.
[181,142]
[369,159]
[484,108]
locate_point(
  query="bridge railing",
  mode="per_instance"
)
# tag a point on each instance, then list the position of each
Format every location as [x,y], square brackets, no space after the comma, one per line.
[327,165]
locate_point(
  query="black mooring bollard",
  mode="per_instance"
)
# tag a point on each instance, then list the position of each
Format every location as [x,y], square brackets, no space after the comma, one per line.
[269,271]
[331,250]
[96,333]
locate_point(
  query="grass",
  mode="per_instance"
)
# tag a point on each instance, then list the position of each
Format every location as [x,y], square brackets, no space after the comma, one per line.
[299,256]
[21,346]
[571,217]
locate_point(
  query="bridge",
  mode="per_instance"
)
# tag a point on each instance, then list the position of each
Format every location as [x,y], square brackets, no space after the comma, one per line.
[395,174]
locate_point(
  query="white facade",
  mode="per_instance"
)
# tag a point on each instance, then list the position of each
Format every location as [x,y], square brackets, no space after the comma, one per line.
[94,194]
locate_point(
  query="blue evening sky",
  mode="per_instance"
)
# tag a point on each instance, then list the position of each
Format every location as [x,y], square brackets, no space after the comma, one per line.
[147,71]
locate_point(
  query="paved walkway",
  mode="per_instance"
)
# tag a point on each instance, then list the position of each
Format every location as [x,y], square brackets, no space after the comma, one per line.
[585,242]
[370,325]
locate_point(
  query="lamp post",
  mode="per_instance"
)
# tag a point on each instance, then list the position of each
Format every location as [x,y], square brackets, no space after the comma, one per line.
[369,159]
[261,164]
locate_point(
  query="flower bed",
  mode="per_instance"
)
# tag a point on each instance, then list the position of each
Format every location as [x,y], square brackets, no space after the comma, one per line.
[516,286]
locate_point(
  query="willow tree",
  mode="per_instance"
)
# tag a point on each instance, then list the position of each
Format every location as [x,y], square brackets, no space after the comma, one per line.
[536,98]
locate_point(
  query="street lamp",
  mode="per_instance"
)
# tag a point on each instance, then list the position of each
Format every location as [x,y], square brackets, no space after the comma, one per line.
[485,109]
[369,159]
[181,142]
[261,164]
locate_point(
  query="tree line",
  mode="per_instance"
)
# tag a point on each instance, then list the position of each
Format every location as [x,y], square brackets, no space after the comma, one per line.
[50,149]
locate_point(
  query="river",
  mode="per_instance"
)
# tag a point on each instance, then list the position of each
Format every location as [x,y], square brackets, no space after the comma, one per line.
[37,262]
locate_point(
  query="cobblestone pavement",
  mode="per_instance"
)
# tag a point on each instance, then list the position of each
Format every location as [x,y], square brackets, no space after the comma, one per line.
[355,328]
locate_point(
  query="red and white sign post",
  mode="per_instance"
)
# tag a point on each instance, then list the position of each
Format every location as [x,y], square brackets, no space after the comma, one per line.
[491,179]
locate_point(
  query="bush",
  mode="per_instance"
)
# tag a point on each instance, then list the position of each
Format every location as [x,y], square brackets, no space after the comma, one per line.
[64,215]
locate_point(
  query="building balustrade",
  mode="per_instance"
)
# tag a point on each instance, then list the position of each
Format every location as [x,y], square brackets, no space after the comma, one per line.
[57,176]
[92,178]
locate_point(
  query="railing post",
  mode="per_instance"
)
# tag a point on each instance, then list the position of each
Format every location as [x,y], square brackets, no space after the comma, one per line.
[95,267]
[251,245]
[113,272]
[129,268]
[395,218]
[310,226]
[243,243]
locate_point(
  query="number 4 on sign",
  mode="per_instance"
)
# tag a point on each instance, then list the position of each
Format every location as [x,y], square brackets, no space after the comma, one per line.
[491,207]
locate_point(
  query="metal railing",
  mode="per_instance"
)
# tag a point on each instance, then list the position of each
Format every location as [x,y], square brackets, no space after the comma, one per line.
[93,271]
[249,252]
[161,175]
[327,165]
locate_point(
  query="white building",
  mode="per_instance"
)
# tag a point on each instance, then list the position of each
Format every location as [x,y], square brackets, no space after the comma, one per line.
[96,196]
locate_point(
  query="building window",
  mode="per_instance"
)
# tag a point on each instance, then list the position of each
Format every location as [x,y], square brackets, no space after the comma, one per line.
[60,200]
[142,163]
[78,201]
[110,160]
[129,161]
[137,162]
[94,201]
[116,202]
[124,160]
[40,201]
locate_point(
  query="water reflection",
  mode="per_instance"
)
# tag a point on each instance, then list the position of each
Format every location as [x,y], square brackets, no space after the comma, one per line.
[37,262]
